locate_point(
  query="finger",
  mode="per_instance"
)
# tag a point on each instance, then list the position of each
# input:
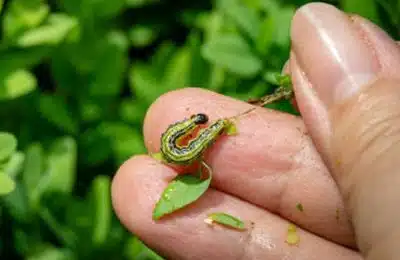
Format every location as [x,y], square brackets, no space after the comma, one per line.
[271,162]
[348,95]
[184,235]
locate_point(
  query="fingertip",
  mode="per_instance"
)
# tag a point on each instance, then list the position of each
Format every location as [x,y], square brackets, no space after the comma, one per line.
[135,188]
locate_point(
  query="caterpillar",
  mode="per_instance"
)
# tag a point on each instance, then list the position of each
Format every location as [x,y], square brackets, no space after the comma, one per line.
[173,152]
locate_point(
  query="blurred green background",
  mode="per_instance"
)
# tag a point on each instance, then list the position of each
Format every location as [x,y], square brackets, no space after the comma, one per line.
[76,78]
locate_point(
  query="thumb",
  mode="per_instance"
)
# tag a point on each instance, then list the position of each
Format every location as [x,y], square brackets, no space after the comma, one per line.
[344,71]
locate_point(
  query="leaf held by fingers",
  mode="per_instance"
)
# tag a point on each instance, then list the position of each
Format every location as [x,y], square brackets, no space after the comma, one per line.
[180,192]
[226,220]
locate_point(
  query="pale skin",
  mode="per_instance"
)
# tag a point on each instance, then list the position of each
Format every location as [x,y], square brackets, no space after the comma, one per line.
[341,156]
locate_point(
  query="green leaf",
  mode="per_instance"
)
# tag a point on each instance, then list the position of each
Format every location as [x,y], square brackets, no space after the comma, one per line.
[7,184]
[140,3]
[16,84]
[177,69]
[200,71]
[126,141]
[144,83]
[49,252]
[1,5]
[56,111]
[61,164]
[17,205]
[14,165]
[114,139]
[234,54]
[102,209]
[131,111]
[270,6]
[105,8]
[8,145]
[281,23]
[226,220]
[266,36]
[365,8]
[14,59]
[182,191]
[33,171]
[107,77]
[142,36]
[137,250]
[54,32]
[245,18]
[23,15]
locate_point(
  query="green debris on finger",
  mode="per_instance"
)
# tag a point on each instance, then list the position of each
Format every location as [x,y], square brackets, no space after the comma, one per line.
[292,238]
[225,220]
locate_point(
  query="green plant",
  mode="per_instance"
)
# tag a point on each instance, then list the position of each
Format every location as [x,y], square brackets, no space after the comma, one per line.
[76,77]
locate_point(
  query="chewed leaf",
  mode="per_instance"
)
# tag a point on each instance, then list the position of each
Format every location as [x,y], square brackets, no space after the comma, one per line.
[300,207]
[157,156]
[226,220]
[182,191]
[284,80]
[292,238]
[232,129]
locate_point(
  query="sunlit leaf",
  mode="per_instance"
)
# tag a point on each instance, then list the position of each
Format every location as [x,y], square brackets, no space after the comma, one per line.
[17,83]
[102,209]
[54,32]
[182,191]
[142,36]
[22,15]
[226,220]
[33,171]
[48,252]
[7,184]
[61,165]
[8,145]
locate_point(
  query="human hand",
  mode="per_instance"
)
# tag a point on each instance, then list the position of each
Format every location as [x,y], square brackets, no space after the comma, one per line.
[275,160]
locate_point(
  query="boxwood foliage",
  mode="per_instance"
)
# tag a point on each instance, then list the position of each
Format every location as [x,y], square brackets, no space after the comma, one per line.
[76,77]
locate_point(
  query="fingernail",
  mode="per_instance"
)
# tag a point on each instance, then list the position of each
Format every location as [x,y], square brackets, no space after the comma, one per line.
[331,52]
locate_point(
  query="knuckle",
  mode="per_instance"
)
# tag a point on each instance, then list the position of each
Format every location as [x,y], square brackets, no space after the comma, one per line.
[364,129]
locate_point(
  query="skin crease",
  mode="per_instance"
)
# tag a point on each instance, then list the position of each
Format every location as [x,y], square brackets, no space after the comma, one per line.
[274,162]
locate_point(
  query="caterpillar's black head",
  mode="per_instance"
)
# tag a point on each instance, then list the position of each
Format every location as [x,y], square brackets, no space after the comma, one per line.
[200,118]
